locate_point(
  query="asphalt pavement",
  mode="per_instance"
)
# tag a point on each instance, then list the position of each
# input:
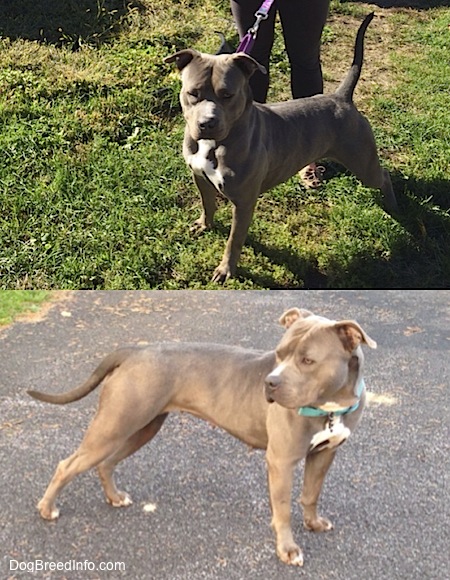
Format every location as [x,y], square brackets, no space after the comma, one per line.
[201,508]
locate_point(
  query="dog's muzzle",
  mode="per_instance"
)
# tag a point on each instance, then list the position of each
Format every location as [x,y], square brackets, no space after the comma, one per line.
[208,124]
[272,384]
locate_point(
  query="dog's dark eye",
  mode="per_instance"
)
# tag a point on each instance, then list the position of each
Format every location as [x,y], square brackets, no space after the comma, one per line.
[194,94]
[226,95]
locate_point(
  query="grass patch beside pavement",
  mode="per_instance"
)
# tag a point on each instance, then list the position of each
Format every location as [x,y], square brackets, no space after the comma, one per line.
[16,302]
[94,193]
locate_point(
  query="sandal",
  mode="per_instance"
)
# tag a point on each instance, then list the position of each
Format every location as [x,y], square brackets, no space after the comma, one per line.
[312,176]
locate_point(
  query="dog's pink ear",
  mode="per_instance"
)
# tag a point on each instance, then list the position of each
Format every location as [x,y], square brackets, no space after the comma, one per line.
[247,64]
[182,58]
[292,315]
[352,335]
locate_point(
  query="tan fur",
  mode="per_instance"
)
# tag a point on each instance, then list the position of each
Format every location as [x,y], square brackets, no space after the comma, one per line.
[251,394]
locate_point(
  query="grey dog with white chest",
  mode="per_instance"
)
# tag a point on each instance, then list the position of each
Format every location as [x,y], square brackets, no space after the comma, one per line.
[300,401]
[240,148]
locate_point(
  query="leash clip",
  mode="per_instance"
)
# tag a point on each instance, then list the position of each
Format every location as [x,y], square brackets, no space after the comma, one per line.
[254,29]
[261,14]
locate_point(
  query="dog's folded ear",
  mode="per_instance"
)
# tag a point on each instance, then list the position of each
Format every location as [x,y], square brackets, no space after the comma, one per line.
[183,57]
[292,315]
[247,64]
[352,335]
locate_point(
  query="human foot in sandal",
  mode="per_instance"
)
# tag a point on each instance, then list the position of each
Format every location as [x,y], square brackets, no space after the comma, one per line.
[312,176]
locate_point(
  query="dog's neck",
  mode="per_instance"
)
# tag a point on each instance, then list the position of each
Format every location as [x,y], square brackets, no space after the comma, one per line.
[333,408]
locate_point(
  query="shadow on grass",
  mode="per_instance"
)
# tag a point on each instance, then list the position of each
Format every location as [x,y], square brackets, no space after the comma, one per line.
[422,4]
[418,260]
[61,21]
[306,274]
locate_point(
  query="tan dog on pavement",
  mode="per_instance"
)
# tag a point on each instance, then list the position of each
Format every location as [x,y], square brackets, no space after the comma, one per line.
[300,401]
[240,149]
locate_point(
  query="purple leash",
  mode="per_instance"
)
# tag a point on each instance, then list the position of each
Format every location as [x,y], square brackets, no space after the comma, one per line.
[248,41]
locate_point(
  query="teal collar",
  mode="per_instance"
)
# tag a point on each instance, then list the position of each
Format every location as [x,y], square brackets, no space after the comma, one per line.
[315,412]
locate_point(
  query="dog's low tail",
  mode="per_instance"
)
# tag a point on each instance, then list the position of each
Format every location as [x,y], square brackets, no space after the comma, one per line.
[348,85]
[108,364]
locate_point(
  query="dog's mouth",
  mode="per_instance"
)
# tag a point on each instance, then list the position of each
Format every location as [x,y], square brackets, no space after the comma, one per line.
[214,131]
[215,135]
[282,399]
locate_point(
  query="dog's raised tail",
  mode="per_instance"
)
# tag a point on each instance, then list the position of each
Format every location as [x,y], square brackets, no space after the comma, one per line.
[108,364]
[348,85]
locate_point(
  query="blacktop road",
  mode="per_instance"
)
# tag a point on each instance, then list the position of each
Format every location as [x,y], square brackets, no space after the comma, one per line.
[201,507]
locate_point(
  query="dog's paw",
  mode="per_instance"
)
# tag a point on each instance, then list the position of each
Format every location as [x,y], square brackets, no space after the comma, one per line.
[222,274]
[290,554]
[318,525]
[199,227]
[121,499]
[47,512]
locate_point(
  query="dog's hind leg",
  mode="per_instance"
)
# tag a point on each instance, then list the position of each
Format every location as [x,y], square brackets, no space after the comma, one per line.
[387,190]
[361,158]
[377,177]
[85,457]
[105,468]
[107,435]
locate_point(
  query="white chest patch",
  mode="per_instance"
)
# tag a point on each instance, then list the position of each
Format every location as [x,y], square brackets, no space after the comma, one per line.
[334,434]
[204,163]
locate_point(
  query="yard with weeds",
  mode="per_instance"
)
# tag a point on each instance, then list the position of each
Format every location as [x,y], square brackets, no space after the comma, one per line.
[95,194]
[16,303]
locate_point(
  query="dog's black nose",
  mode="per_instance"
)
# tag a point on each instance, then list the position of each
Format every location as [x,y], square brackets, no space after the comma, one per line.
[210,123]
[273,382]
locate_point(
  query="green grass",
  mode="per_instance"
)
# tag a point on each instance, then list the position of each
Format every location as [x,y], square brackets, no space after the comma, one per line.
[15,302]
[94,192]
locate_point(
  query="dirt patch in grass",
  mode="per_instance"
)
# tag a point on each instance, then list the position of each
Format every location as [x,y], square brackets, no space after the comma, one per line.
[337,55]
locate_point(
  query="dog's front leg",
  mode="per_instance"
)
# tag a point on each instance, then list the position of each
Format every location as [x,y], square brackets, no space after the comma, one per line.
[280,474]
[242,216]
[316,468]
[208,194]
